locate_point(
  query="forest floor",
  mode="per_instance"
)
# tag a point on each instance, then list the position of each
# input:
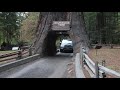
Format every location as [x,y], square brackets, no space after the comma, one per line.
[6,52]
[111,57]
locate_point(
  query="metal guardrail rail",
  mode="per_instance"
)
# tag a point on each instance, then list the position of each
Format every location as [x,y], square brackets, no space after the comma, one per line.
[20,57]
[18,62]
[16,55]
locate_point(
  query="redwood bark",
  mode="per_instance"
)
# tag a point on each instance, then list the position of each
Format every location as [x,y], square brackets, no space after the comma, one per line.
[77,32]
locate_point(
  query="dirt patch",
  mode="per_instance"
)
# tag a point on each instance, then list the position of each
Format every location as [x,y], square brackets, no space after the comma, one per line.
[86,73]
[111,57]
[71,69]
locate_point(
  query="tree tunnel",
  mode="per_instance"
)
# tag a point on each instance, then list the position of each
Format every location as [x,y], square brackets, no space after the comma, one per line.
[45,41]
[49,46]
[52,42]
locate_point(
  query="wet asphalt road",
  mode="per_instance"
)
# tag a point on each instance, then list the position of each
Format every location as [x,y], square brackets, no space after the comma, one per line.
[48,67]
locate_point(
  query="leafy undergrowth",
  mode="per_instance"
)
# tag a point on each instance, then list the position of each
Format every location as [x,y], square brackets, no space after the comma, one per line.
[111,57]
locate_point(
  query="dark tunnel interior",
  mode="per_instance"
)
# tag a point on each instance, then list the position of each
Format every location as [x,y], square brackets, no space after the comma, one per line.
[50,46]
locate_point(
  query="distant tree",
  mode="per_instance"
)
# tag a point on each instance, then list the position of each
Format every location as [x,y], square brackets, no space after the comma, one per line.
[9,26]
[102,27]
[28,27]
[10,23]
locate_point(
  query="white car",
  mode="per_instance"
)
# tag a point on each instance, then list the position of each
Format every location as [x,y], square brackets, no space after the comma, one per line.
[15,48]
[66,46]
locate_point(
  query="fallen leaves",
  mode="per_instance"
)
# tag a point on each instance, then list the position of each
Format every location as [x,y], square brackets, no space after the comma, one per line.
[111,57]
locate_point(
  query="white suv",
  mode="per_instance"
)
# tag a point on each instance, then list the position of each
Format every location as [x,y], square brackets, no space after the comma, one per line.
[66,46]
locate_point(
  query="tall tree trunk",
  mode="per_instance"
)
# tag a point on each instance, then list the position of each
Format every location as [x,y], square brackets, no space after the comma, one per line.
[77,32]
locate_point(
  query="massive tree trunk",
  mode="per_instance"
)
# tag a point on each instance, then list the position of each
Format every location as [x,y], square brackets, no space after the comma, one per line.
[78,31]
[45,43]
[43,28]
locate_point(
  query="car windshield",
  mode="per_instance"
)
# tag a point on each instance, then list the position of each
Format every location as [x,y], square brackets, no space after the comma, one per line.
[66,42]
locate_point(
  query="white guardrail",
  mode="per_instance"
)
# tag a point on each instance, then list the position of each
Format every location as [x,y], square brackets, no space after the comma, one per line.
[18,62]
[78,67]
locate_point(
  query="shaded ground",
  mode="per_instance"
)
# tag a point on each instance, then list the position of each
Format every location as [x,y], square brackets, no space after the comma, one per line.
[111,56]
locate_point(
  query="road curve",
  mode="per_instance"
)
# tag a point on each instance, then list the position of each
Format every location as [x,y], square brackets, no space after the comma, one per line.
[48,67]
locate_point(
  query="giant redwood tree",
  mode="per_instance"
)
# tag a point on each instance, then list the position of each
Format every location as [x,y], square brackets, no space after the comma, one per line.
[44,42]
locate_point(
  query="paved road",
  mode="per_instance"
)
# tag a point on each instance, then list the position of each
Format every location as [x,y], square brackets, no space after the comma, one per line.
[49,67]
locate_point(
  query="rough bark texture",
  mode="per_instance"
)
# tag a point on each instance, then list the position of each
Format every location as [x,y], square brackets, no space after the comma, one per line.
[45,39]
[77,32]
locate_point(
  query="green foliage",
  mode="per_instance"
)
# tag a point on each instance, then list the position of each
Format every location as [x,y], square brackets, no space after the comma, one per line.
[28,27]
[10,23]
[103,27]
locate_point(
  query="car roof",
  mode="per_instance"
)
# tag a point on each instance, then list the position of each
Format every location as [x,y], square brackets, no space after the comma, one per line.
[65,41]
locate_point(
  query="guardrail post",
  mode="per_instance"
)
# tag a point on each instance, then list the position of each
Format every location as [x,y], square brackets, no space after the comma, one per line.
[19,54]
[103,63]
[81,55]
[30,51]
[96,70]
